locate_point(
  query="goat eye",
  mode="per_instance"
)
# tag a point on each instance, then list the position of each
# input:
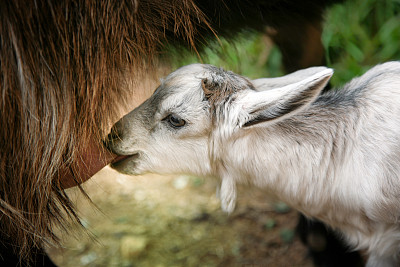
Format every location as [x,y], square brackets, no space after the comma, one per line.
[175,121]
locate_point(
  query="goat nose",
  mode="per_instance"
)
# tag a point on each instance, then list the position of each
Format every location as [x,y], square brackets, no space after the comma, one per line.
[111,138]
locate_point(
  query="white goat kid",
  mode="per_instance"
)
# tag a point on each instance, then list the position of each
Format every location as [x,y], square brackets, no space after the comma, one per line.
[333,156]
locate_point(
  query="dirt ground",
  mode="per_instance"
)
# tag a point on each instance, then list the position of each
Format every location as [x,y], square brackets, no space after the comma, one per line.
[157,221]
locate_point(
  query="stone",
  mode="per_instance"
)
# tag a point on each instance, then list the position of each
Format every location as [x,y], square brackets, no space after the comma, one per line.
[132,246]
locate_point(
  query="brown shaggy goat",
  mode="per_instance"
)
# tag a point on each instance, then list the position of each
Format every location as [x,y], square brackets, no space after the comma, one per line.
[61,68]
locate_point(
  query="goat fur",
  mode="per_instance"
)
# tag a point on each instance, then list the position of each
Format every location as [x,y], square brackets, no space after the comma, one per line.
[333,156]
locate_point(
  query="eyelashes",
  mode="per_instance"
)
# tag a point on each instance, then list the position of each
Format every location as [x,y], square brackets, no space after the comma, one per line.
[175,121]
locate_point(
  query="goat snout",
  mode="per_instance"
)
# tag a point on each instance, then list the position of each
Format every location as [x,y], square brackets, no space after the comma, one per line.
[126,161]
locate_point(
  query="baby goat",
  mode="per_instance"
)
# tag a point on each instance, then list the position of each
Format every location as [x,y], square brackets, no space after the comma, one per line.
[333,156]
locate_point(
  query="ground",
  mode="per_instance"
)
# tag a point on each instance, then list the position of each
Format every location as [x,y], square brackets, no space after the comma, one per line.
[177,221]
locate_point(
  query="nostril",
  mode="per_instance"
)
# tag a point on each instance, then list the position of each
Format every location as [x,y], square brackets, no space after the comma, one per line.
[111,138]
[115,133]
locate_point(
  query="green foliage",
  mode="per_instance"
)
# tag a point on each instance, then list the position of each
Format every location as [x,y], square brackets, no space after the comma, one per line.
[358,34]
[250,54]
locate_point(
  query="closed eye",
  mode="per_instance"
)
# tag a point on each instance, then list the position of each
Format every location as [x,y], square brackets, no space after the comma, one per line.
[175,121]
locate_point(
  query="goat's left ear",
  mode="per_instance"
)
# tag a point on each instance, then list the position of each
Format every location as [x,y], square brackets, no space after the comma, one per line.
[279,103]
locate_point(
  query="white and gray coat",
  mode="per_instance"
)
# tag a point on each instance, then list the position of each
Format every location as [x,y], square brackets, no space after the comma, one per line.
[333,156]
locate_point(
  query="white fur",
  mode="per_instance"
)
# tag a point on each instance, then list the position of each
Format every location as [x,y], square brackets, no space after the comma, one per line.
[334,157]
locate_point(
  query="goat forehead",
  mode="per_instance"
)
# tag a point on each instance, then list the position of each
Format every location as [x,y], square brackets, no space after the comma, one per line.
[196,72]
[186,74]
[173,87]
[181,86]
[182,99]
[182,83]
[185,84]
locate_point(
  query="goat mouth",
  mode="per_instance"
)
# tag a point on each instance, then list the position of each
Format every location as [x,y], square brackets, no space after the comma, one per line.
[122,158]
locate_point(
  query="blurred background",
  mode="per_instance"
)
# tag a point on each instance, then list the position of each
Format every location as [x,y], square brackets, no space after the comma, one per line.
[176,221]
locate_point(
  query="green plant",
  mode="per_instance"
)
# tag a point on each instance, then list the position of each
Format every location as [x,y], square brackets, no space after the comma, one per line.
[357,35]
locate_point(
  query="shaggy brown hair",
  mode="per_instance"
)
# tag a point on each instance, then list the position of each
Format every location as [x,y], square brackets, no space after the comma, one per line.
[61,65]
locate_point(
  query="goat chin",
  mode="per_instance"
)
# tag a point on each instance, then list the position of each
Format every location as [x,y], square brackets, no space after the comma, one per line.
[127,164]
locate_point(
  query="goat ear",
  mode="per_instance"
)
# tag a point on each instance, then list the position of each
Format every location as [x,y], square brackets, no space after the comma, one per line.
[279,103]
[294,77]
